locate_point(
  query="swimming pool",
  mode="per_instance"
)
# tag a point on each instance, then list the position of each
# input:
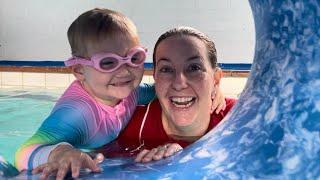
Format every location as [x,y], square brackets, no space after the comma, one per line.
[21,113]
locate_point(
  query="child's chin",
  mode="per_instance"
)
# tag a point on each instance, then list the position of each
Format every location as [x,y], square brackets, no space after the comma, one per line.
[123,93]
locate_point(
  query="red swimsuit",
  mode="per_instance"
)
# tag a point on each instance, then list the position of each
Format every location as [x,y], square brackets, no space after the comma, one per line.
[145,130]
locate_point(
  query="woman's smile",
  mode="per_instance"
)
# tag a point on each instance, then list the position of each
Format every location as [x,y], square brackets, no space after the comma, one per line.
[182,102]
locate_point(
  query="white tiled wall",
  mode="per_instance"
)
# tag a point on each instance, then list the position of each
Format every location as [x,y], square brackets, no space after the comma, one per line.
[33,80]
[42,80]
[71,78]
[147,79]
[57,80]
[231,86]
[11,79]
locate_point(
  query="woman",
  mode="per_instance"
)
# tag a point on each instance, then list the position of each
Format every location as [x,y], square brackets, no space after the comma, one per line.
[186,76]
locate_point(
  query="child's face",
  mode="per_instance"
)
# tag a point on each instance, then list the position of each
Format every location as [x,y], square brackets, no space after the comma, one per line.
[111,87]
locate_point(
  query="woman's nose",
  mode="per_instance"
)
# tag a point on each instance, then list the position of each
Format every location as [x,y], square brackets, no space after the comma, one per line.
[180,81]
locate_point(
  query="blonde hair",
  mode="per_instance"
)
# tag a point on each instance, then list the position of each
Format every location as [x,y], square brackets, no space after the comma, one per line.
[96,25]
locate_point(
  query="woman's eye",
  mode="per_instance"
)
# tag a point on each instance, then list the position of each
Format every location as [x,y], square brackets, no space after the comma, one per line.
[165,69]
[194,67]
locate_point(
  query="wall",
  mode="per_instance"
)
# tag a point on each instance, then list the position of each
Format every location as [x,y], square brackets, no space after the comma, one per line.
[231,86]
[36,29]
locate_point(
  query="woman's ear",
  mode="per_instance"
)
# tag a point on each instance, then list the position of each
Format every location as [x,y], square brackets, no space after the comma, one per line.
[218,74]
[78,72]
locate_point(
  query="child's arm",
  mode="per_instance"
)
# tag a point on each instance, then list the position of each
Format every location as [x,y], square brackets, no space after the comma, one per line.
[65,158]
[63,125]
[146,93]
[218,101]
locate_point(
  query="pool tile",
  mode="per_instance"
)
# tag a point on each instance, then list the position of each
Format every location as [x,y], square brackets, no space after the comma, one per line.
[11,87]
[71,78]
[232,87]
[57,80]
[11,78]
[147,79]
[33,79]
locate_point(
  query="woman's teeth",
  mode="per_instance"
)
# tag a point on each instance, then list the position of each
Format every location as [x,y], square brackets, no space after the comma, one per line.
[182,102]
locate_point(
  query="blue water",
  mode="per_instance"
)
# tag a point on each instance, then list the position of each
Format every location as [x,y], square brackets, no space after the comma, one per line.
[21,113]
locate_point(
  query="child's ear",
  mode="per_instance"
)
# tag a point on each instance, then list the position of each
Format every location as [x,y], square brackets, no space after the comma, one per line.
[218,74]
[78,72]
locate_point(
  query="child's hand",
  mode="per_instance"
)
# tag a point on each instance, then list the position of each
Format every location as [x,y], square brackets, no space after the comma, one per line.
[218,101]
[66,158]
[158,153]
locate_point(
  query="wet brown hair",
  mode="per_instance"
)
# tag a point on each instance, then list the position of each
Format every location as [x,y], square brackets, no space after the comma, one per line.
[96,25]
[188,31]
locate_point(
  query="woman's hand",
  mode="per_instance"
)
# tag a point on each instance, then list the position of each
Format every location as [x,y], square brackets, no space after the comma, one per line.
[218,101]
[158,153]
[65,158]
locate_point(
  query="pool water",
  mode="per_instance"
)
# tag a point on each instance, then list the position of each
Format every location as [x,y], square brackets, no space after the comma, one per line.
[21,113]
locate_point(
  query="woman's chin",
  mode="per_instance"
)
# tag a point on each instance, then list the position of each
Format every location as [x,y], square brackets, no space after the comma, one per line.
[182,119]
[183,123]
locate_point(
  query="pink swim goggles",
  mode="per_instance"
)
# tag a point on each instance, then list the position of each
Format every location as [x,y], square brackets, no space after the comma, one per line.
[109,62]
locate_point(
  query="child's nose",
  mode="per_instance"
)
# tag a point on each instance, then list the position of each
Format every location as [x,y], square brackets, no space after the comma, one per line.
[123,70]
